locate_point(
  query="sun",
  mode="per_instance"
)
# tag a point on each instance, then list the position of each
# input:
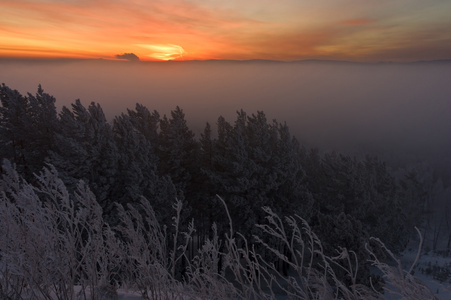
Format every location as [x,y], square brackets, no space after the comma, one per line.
[164,51]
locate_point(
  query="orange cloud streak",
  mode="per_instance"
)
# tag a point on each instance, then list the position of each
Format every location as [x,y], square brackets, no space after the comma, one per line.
[104,28]
[195,29]
[357,22]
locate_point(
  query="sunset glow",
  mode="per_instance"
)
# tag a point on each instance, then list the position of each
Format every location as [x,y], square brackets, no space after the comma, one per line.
[209,29]
[164,52]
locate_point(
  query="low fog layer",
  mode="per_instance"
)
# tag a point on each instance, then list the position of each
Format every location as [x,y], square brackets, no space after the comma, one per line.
[398,109]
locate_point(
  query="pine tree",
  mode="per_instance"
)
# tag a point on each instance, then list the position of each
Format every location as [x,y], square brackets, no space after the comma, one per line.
[203,208]
[137,163]
[256,164]
[146,123]
[292,194]
[206,148]
[27,128]
[85,149]
[137,173]
[178,151]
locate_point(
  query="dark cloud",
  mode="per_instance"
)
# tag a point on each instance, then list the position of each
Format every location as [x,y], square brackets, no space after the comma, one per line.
[128,56]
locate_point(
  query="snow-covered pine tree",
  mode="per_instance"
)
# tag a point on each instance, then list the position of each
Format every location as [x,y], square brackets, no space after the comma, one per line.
[27,128]
[13,125]
[256,164]
[292,195]
[146,122]
[203,207]
[233,173]
[137,173]
[206,148]
[137,163]
[381,210]
[360,192]
[214,166]
[178,152]
[85,149]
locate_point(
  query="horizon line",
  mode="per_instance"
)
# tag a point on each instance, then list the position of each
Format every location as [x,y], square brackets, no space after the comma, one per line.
[313,60]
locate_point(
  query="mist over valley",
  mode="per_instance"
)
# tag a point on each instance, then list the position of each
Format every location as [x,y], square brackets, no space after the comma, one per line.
[400,111]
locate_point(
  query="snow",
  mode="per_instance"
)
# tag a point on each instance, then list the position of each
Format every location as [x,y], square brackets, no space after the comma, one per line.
[127,295]
[442,290]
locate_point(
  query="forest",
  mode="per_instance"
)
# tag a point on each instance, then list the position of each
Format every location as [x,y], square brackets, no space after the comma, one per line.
[241,210]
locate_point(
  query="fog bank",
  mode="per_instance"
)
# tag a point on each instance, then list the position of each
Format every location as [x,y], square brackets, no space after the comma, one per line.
[395,108]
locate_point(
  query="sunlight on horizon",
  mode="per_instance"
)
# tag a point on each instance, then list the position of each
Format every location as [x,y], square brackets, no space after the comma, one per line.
[164,52]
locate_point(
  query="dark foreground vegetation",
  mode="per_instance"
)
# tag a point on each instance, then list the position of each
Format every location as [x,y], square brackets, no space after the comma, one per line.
[57,245]
[102,212]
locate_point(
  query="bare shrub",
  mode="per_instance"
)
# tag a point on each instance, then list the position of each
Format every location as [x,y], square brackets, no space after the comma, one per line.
[49,242]
[149,265]
[399,281]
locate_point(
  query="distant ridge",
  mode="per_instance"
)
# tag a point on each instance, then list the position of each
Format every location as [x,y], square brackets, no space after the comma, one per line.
[308,61]
[317,61]
[437,61]
[263,61]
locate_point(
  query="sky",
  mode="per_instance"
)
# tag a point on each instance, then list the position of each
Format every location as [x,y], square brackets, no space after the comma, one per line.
[355,30]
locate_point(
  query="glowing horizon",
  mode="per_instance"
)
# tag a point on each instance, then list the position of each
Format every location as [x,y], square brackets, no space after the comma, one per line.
[209,29]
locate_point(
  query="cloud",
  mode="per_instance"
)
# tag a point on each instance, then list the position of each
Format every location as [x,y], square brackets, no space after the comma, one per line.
[128,56]
[357,22]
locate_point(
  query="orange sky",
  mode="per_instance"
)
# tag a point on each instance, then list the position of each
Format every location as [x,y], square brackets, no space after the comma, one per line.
[383,30]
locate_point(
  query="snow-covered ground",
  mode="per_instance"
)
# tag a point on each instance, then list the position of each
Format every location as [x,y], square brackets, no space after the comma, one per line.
[442,290]
[423,271]
[127,295]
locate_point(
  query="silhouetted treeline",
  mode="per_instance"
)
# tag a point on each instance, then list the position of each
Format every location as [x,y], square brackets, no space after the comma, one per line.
[250,163]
